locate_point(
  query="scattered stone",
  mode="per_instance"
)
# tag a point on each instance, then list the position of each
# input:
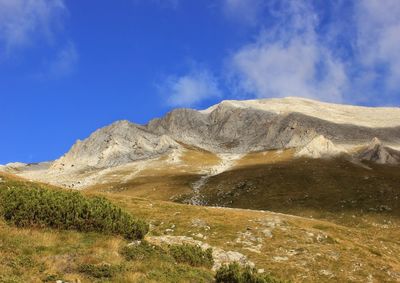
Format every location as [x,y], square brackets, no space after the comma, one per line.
[267,233]
[220,256]
[134,243]
[280,258]
[326,273]
[293,252]
[199,223]
[249,241]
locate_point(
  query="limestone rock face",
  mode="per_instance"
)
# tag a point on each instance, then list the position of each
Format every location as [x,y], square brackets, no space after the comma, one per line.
[117,144]
[376,152]
[229,130]
[316,129]
[320,147]
[244,126]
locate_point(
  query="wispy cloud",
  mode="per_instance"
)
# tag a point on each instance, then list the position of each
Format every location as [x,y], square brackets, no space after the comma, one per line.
[65,61]
[174,4]
[22,21]
[190,89]
[244,11]
[289,59]
[378,39]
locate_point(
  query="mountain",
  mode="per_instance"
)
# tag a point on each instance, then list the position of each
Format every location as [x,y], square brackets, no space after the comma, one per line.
[253,125]
[278,181]
[224,132]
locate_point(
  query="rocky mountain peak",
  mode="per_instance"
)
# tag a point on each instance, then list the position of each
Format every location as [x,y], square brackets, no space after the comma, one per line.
[377,152]
[119,143]
[320,147]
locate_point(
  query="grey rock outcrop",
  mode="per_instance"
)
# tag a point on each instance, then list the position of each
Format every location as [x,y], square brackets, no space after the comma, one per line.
[320,147]
[378,153]
[120,143]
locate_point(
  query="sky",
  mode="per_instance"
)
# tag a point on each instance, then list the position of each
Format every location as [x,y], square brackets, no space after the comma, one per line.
[68,67]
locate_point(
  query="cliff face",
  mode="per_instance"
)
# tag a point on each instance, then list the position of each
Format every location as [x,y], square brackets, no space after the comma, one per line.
[240,128]
[237,127]
[187,142]
[119,143]
[376,152]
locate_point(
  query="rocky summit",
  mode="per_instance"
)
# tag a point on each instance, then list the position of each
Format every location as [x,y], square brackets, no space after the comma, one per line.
[229,131]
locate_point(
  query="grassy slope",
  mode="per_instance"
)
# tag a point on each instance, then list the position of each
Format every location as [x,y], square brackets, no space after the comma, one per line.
[37,255]
[328,189]
[301,249]
[310,246]
[161,181]
[334,191]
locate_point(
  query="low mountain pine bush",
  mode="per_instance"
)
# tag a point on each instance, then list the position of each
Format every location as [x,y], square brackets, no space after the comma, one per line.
[39,207]
[192,255]
[234,273]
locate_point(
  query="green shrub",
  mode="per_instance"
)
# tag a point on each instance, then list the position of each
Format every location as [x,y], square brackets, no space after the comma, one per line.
[38,207]
[192,255]
[99,271]
[233,273]
[142,251]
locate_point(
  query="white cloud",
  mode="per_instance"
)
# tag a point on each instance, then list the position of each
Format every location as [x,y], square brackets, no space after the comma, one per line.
[174,4]
[246,11]
[65,62]
[190,89]
[290,60]
[22,20]
[378,38]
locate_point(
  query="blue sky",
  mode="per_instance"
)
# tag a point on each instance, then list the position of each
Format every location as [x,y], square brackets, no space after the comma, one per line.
[68,67]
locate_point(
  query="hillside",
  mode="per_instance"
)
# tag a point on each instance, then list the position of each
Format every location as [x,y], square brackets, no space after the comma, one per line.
[289,247]
[305,190]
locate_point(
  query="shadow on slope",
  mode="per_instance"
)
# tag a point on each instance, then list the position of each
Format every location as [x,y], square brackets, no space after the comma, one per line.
[308,187]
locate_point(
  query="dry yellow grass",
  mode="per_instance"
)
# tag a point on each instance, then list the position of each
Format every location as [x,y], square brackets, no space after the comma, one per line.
[161,180]
[357,248]
[300,249]
[265,157]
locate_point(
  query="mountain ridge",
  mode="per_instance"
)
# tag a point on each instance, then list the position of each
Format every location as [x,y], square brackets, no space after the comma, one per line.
[225,131]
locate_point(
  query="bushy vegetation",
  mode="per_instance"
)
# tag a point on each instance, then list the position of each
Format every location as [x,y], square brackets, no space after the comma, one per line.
[100,271]
[142,251]
[233,273]
[39,207]
[187,254]
[192,255]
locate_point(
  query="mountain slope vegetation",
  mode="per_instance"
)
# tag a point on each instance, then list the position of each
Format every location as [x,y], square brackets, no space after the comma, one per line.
[284,246]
